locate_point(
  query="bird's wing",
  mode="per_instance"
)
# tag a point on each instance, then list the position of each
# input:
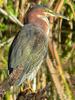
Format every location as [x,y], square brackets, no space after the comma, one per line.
[28,49]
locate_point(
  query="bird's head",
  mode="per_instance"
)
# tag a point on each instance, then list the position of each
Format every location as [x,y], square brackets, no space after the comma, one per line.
[39,16]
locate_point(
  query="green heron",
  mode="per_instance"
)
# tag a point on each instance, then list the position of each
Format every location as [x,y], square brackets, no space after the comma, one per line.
[30,46]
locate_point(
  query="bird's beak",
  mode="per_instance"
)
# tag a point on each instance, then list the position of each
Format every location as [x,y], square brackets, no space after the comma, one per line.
[49,12]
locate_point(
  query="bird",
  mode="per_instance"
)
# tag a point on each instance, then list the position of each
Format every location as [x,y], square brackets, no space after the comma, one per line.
[30,46]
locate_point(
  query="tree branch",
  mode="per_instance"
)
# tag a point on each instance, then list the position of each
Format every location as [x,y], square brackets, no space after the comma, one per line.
[11,17]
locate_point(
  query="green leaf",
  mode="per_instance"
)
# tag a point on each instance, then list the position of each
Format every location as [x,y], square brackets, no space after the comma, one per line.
[7,96]
[45,1]
[10,8]
[65,1]
[3,27]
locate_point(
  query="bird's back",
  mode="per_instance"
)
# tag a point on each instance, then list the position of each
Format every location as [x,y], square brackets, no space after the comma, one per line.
[28,49]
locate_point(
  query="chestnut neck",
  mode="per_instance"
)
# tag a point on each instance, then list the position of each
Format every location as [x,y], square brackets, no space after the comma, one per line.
[37,18]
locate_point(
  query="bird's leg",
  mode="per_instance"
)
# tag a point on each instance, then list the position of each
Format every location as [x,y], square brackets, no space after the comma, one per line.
[26,87]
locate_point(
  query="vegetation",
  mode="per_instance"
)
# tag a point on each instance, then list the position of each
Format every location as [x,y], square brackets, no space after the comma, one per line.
[56,78]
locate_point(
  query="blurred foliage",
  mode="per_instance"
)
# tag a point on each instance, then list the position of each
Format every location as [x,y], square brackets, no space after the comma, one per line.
[8,29]
[1,2]
[3,27]
[10,8]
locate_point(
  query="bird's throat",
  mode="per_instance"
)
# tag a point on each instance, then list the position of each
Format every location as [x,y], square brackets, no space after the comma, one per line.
[41,22]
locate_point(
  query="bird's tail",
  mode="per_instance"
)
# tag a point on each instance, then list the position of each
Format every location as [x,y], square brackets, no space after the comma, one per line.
[10,81]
